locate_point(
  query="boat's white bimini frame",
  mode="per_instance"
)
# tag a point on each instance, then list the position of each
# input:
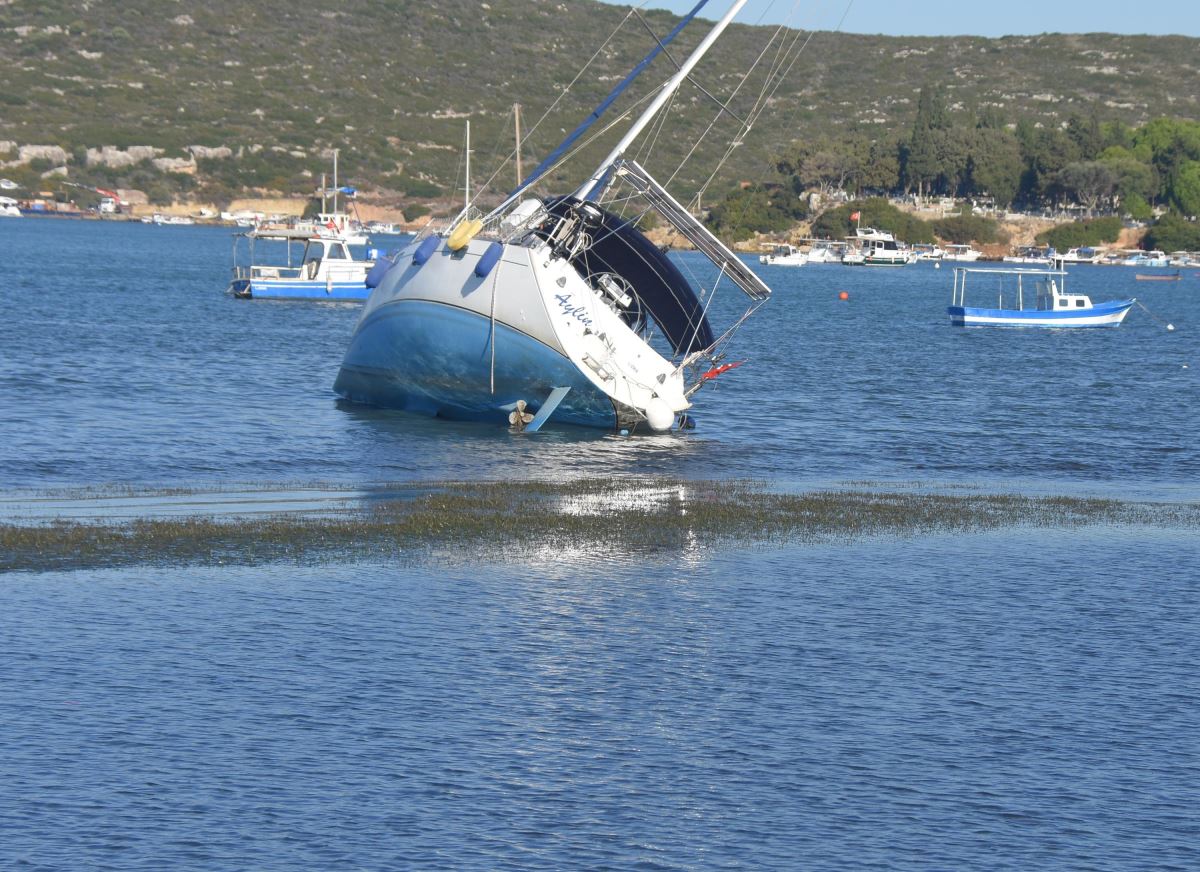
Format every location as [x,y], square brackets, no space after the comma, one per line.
[560,306]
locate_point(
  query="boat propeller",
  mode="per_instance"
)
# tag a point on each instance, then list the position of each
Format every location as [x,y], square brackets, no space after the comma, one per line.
[518,417]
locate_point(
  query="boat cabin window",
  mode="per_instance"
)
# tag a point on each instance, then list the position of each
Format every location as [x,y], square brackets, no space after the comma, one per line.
[1079,303]
[337,252]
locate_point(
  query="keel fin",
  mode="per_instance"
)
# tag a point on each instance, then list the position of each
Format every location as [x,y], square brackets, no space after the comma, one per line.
[547,409]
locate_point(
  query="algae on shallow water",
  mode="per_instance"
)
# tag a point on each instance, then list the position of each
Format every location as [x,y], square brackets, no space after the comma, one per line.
[607,516]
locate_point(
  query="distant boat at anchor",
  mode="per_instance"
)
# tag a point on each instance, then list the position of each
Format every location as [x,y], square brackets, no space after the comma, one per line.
[783,255]
[1053,306]
[325,270]
[877,248]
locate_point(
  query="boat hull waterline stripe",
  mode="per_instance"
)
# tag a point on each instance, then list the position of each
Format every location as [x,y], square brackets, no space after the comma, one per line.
[1104,315]
[435,359]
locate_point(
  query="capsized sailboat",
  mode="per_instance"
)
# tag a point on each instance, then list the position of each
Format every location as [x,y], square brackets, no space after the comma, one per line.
[556,308]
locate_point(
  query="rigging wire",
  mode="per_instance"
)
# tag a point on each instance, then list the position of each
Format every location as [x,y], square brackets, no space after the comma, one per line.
[765,100]
[529,133]
[761,101]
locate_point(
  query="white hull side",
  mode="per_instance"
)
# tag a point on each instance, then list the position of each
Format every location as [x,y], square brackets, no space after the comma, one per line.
[969,319]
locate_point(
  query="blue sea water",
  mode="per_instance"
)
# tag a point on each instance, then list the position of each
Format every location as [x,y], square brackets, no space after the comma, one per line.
[123,362]
[1016,699]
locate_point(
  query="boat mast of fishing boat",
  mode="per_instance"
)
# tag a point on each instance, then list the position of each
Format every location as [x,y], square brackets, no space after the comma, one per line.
[335,179]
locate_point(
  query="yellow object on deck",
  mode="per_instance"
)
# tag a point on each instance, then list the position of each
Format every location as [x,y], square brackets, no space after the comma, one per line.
[464,233]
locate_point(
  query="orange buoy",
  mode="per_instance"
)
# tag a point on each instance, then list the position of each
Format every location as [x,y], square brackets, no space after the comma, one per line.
[843,296]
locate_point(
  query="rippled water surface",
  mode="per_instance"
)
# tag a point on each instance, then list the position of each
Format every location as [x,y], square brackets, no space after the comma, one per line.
[1017,699]
[123,362]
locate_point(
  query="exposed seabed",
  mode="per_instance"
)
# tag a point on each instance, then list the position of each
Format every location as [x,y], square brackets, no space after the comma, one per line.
[486,520]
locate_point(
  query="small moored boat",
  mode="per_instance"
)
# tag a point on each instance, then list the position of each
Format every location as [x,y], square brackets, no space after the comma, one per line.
[962,252]
[1031,254]
[1053,306]
[876,248]
[784,255]
[325,270]
[1159,277]
[825,251]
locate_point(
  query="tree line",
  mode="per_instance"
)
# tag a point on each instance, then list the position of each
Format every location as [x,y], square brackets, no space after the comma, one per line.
[1106,166]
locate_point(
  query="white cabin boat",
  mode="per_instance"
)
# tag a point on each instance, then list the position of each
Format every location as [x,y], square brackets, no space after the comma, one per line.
[784,255]
[1030,255]
[1082,254]
[1147,259]
[871,247]
[1052,305]
[9,208]
[382,228]
[962,253]
[172,220]
[825,251]
[325,270]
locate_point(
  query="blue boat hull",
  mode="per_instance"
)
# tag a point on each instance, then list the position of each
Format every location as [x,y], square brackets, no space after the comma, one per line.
[1108,314]
[436,359]
[299,290]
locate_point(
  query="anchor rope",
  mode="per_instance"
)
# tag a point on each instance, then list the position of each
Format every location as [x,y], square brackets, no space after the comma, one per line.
[1166,324]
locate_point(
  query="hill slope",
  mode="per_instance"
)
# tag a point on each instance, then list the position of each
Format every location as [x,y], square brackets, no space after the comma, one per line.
[389,82]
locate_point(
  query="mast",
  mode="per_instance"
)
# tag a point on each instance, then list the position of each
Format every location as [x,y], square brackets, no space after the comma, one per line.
[592,188]
[324,193]
[517,126]
[467,182]
[335,155]
[574,135]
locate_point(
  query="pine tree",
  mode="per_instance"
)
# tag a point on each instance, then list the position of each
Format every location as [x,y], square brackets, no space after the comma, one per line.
[923,162]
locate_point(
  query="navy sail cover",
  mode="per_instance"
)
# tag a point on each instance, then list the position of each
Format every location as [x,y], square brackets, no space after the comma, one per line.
[661,290]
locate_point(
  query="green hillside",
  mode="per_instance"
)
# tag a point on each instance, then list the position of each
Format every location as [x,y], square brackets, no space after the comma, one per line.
[390,83]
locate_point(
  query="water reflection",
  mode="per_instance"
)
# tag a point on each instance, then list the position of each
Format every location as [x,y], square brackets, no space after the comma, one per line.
[403,445]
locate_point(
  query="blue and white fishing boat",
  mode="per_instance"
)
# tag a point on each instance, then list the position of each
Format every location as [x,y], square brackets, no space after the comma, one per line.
[1052,305]
[325,269]
[553,308]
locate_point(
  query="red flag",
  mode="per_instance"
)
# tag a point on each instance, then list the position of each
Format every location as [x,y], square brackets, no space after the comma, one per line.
[716,371]
[854,216]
